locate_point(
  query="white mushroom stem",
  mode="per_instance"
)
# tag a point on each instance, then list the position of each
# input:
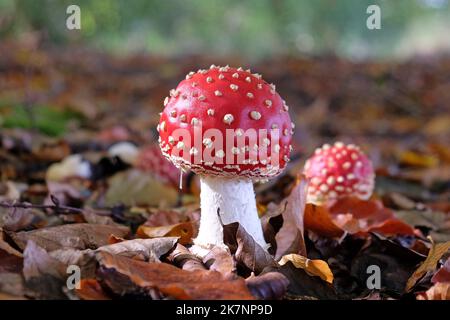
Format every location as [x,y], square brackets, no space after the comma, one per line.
[236,200]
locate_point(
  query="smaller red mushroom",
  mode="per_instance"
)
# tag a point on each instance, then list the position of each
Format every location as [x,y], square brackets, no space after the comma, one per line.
[337,171]
[150,159]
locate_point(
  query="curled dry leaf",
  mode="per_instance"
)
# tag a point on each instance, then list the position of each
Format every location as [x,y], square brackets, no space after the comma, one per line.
[184,231]
[175,282]
[312,267]
[149,249]
[268,286]
[219,259]
[436,252]
[246,250]
[77,236]
[184,259]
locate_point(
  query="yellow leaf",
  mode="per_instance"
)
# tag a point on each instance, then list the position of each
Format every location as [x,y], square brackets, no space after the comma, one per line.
[312,267]
[436,252]
[418,160]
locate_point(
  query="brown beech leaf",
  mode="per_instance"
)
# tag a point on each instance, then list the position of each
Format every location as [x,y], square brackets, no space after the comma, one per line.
[268,286]
[219,259]
[439,291]
[436,252]
[85,259]
[184,259]
[78,236]
[246,250]
[318,220]
[150,249]
[90,289]
[175,282]
[184,231]
[90,216]
[142,249]
[163,217]
[43,274]
[312,267]
[290,237]
[17,219]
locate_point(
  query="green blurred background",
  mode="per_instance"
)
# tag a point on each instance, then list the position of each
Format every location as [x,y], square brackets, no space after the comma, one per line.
[252,28]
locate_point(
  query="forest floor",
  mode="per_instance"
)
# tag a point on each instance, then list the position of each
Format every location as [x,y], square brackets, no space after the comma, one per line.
[67,199]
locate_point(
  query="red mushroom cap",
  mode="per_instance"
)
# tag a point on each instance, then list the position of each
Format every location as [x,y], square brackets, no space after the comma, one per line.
[151,160]
[339,170]
[223,98]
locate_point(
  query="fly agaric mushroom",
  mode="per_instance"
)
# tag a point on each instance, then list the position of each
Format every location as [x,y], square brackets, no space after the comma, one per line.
[236,130]
[150,159]
[337,171]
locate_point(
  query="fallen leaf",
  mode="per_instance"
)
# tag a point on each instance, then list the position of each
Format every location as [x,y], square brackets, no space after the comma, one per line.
[184,231]
[268,286]
[90,216]
[312,267]
[289,238]
[90,289]
[43,274]
[16,219]
[246,250]
[356,216]
[150,249]
[175,282]
[219,259]
[436,252]
[318,220]
[142,249]
[184,259]
[372,209]
[439,291]
[78,236]
[415,159]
